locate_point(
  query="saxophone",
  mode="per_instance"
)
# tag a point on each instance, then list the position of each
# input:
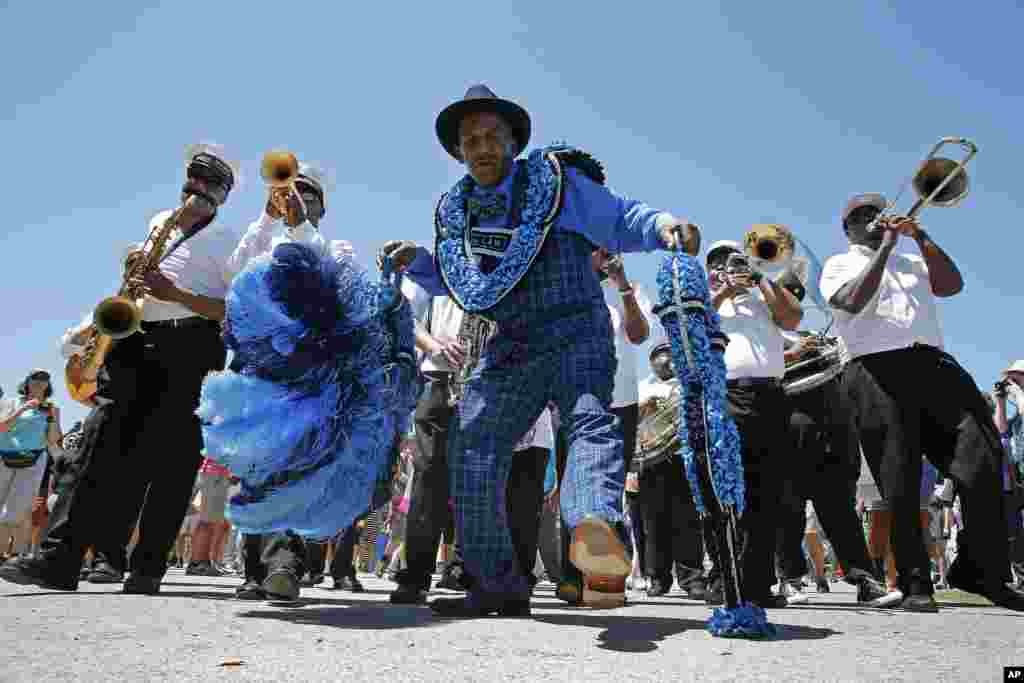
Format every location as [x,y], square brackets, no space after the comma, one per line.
[474,332]
[117,317]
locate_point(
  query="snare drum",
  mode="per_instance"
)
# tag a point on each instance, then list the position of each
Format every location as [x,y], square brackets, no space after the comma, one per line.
[813,370]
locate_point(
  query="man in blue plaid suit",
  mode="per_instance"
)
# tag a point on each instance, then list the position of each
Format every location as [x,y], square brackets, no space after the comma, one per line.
[514,242]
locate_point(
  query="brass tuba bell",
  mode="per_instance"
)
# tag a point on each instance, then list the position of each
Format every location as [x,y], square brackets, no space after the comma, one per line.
[769,244]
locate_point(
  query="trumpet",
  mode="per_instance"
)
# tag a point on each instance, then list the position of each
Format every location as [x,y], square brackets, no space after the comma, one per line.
[938,181]
[279,170]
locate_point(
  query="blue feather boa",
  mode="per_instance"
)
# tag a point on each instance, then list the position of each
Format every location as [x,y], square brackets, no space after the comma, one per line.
[473,289]
[325,384]
[701,370]
[705,426]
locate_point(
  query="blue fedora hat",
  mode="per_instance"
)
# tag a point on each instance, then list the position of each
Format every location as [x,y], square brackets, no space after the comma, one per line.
[480,98]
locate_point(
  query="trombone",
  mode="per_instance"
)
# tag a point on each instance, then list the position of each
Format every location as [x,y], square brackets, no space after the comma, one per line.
[938,181]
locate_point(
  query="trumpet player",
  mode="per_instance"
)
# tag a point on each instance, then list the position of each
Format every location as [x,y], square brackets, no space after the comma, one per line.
[907,396]
[754,309]
[297,199]
[142,443]
[295,207]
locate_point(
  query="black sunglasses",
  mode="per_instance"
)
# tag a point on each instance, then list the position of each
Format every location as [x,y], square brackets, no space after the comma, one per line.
[40,376]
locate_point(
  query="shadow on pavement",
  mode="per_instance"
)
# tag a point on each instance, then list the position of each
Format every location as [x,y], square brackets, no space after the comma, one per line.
[624,633]
[358,614]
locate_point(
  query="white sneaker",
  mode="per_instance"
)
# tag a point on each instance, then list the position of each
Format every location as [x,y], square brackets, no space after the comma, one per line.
[890,599]
[795,595]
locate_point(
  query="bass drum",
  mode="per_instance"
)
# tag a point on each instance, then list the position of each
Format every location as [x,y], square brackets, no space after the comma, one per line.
[815,369]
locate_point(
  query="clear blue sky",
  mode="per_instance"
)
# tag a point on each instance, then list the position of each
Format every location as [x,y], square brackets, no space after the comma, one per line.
[732,115]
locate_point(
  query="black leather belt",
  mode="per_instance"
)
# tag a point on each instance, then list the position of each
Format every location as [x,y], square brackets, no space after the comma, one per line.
[753,382]
[174,323]
[438,376]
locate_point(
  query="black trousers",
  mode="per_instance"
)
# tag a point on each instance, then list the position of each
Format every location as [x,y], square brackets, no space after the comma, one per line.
[140,454]
[823,468]
[920,400]
[629,417]
[761,412]
[672,530]
[429,512]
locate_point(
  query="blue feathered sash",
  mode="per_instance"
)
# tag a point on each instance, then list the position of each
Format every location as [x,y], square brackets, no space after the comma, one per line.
[324,385]
[710,441]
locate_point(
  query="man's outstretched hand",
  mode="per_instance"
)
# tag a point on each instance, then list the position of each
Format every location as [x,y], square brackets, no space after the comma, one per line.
[401,252]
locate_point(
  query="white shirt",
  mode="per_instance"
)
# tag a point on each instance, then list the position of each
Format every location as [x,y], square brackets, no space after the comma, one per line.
[445,321]
[625,393]
[267,232]
[654,387]
[541,434]
[755,341]
[902,312]
[199,265]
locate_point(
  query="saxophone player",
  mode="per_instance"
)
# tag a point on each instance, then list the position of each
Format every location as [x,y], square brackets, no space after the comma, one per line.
[142,443]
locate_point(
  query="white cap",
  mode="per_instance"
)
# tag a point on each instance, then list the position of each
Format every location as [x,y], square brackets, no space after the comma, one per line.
[721,244]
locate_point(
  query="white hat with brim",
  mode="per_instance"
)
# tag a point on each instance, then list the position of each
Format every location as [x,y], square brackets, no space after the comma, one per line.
[721,244]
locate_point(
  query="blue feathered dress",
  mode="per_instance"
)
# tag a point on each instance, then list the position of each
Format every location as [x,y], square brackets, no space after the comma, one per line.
[322,385]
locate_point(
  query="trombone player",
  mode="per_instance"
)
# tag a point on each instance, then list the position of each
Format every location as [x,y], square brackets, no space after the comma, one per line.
[142,443]
[907,396]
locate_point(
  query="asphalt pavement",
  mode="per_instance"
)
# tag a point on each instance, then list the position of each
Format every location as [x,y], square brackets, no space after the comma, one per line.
[195,631]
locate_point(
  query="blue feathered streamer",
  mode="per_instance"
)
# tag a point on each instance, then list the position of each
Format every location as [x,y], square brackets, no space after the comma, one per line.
[746,621]
[326,383]
[705,426]
[701,370]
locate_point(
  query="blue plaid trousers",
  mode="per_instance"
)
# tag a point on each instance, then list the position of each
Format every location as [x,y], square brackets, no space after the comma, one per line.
[569,359]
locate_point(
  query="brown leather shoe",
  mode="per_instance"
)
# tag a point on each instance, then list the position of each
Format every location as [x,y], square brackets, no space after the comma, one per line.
[598,552]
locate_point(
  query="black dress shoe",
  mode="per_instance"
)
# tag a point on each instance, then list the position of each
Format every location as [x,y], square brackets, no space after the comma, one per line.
[348,583]
[137,584]
[408,594]
[870,589]
[771,602]
[461,608]
[282,586]
[657,588]
[695,591]
[41,570]
[250,590]
[104,572]
[922,602]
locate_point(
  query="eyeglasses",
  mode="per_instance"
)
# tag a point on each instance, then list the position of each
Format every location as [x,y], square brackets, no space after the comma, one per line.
[40,377]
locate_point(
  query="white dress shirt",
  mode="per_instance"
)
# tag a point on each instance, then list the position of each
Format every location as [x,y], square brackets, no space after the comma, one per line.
[626,374]
[199,265]
[901,313]
[654,387]
[755,348]
[267,232]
